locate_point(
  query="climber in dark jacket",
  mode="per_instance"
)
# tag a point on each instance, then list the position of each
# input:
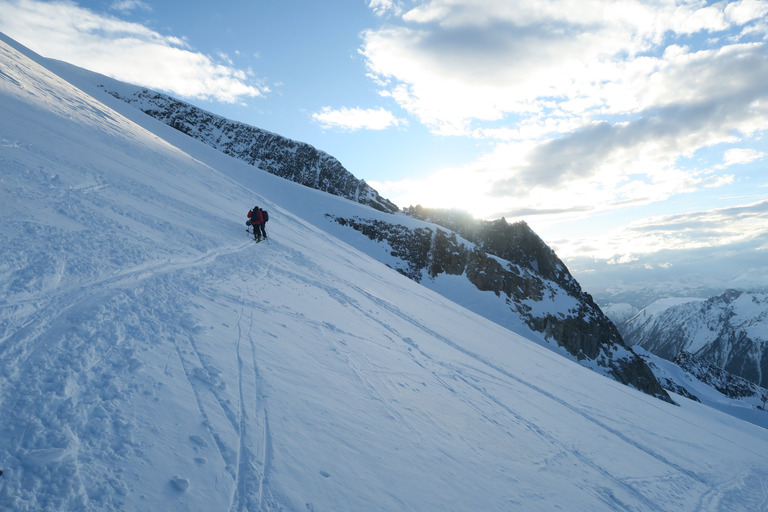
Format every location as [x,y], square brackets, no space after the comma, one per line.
[264,218]
[257,221]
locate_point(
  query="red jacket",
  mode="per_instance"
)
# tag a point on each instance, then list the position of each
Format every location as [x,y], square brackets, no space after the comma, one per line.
[258,219]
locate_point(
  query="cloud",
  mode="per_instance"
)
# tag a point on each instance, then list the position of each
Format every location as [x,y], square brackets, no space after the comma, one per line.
[130,5]
[746,11]
[659,136]
[740,156]
[357,118]
[743,221]
[722,229]
[123,50]
[383,7]
[455,62]
[612,104]
[699,253]
[492,58]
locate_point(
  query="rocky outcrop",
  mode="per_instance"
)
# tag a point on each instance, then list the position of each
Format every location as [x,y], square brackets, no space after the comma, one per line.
[726,383]
[531,281]
[289,159]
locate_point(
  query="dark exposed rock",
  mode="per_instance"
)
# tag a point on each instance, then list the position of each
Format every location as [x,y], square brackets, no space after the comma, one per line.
[726,383]
[514,242]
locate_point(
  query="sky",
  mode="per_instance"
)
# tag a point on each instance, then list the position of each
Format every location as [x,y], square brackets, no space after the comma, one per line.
[629,135]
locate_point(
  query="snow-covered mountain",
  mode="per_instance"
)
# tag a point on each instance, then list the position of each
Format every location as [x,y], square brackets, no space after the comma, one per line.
[619,313]
[503,272]
[511,261]
[725,383]
[729,331]
[153,357]
[689,376]
[684,274]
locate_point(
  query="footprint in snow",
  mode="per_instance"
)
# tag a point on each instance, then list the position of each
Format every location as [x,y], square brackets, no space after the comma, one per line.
[182,484]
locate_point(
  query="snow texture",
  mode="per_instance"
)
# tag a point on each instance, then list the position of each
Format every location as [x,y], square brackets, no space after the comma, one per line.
[152,357]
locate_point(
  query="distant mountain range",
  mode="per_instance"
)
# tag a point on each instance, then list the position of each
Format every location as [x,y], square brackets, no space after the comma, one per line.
[730,331]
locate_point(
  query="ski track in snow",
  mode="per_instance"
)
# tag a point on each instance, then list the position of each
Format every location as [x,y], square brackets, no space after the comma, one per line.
[439,370]
[730,495]
[251,491]
[77,298]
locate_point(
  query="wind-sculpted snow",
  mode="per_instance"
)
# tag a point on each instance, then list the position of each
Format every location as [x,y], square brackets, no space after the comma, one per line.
[153,357]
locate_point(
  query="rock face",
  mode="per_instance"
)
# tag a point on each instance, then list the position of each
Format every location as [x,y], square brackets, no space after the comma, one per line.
[511,261]
[726,383]
[295,161]
[729,331]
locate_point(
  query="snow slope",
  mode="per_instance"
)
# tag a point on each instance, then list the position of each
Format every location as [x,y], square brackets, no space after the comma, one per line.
[152,357]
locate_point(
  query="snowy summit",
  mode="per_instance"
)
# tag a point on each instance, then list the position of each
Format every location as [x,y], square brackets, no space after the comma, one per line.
[153,357]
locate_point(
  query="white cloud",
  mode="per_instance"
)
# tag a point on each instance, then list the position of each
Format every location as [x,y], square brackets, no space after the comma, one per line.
[452,62]
[745,11]
[738,226]
[126,51]
[357,118]
[382,7]
[592,108]
[130,5]
[736,156]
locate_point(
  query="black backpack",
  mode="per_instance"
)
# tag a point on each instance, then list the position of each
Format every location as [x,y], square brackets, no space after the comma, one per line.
[265,215]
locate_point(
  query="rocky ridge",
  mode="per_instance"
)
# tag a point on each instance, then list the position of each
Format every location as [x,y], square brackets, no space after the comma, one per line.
[726,383]
[295,161]
[511,261]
